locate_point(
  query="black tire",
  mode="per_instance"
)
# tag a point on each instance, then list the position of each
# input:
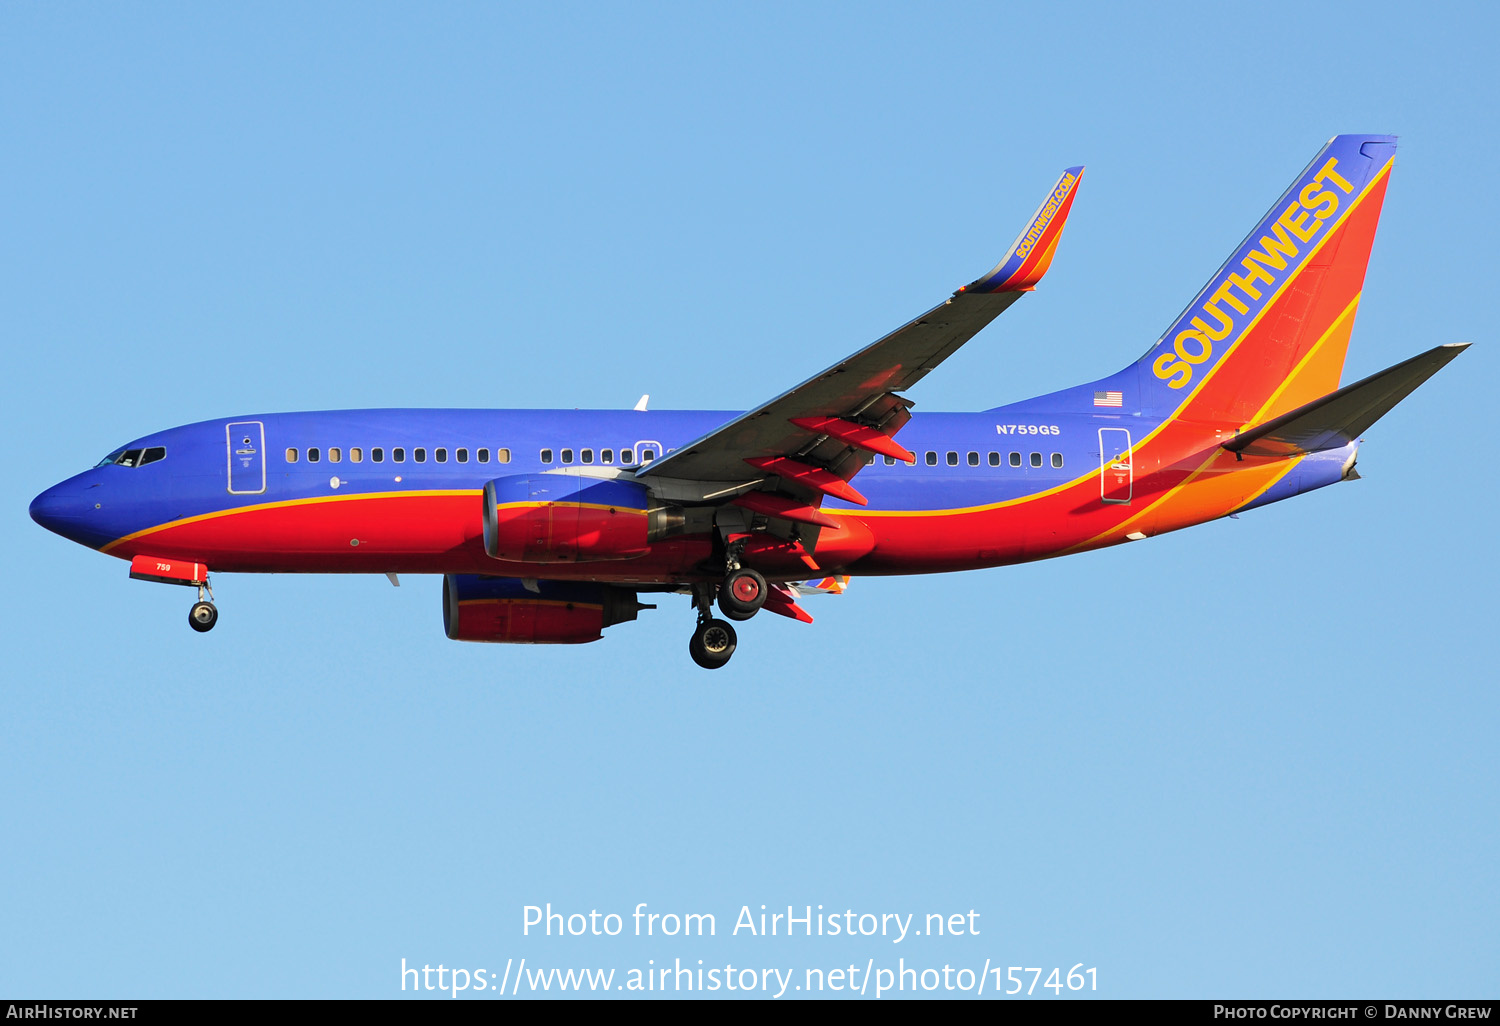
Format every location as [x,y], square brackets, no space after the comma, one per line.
[742,594]
[712,644]
[202,617]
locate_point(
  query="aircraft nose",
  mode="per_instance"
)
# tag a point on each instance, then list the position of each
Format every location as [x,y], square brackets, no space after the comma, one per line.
[59,508]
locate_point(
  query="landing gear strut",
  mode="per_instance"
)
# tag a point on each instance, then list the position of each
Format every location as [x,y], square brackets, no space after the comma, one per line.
[713,640]
[203,615]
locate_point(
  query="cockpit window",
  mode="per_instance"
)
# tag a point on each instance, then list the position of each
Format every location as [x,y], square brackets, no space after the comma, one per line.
[133,457]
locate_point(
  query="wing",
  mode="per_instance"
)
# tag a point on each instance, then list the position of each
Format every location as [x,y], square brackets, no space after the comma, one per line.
[809,442]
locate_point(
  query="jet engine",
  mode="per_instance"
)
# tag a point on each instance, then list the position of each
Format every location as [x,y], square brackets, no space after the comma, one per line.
[505,609]
[563,518]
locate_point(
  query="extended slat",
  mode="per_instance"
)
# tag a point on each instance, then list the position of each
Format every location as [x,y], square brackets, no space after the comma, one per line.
[857,435]
[812,477]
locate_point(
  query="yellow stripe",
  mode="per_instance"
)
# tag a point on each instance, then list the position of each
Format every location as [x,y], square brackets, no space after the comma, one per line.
[1287,381]
[1120,527]
[578,505]
[289,502]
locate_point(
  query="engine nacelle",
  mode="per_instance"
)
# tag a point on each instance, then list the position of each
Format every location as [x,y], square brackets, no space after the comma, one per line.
[563,518]
[503,609]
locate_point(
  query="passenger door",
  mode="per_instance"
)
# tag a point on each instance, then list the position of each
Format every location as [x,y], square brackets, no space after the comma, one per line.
[246,443]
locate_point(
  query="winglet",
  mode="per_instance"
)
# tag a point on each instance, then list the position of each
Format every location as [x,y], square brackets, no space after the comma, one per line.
[1031,254]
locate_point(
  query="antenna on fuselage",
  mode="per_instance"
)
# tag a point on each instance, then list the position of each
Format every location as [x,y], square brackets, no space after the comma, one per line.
[641,405]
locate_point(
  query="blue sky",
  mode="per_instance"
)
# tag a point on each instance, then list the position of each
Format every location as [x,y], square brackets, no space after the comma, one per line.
[1250,759]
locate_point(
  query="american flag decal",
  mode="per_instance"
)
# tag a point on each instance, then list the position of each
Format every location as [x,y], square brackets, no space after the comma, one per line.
[1109,398]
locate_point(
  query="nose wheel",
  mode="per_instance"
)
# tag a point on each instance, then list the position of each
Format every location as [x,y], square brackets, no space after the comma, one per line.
[204,614]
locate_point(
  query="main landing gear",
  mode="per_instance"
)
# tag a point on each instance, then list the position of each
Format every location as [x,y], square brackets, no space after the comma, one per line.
[740,597]
[204,614]
[713,640]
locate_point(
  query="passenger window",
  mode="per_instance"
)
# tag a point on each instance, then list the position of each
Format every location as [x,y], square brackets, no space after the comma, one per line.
[606,455]
[1057,459]
[1015,459]
[377,455]
[502,455]
[890,461]
[334,454]
[398,455]
[312,455]
[419,454]
[952,459]
[931,458]
[627,457]
[484,455]
[153,454]
[356,455]
[586,456]
[994,459]
[973,459]
[546,455]
[1036,459]
[567,455]
[647,455]
[463,455]
[291,455]
[441,455]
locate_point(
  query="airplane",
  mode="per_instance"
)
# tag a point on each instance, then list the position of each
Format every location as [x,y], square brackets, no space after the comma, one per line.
[549,525]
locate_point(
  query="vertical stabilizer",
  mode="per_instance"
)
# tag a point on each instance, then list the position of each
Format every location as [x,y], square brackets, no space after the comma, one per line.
[1269,331]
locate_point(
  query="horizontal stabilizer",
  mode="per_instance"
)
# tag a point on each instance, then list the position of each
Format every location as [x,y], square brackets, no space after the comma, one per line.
[1337,419]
